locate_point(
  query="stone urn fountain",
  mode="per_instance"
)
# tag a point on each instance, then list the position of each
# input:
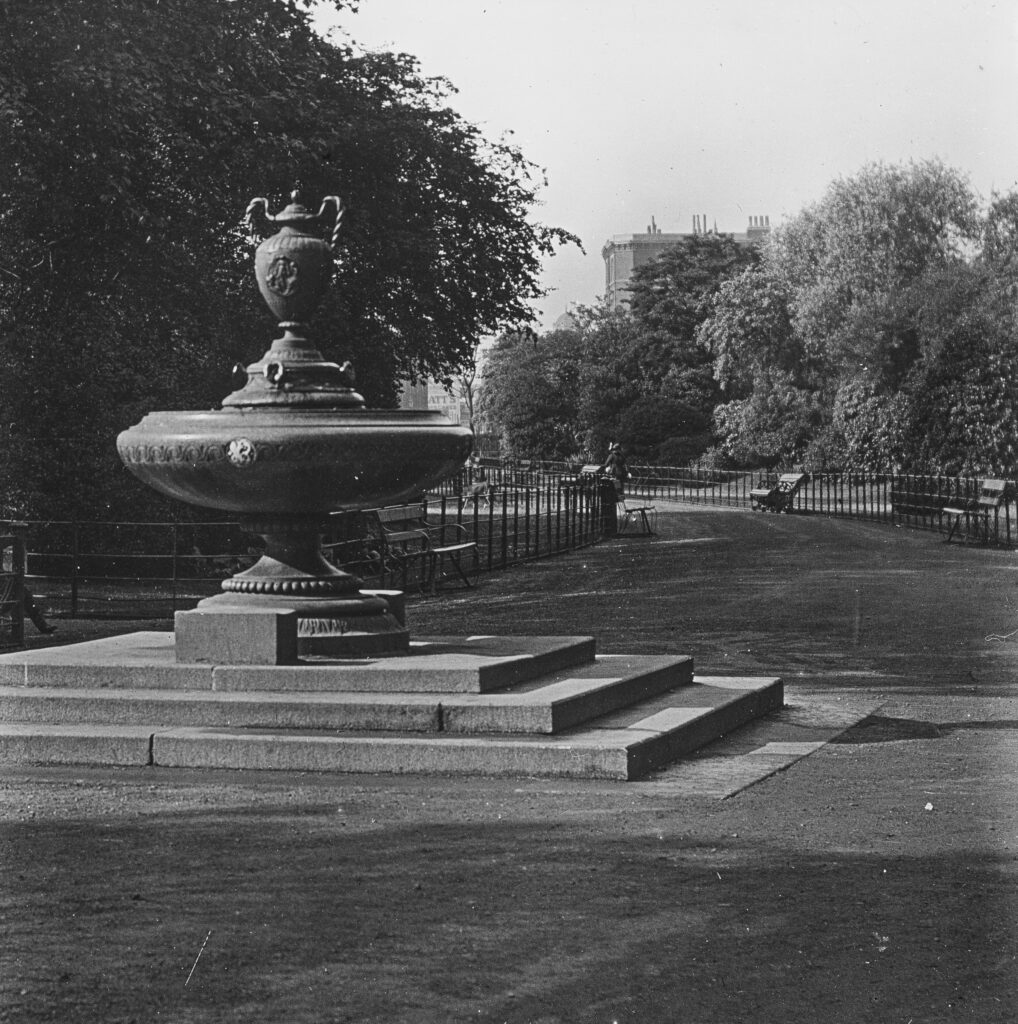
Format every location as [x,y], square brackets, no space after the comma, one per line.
[293,444]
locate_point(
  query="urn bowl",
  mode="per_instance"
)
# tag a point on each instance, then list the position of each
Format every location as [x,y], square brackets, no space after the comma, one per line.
[293,462]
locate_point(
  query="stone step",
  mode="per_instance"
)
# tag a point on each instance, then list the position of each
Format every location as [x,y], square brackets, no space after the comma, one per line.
[623,745]
[146,660]
[553,703]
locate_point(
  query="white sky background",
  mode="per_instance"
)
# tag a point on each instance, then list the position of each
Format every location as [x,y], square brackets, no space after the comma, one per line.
[730,108]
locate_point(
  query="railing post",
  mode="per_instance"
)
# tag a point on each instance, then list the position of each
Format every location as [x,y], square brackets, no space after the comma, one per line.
[544,519]
[516,522]
[526,524]
[491,530]
[505,527]
[559,497]
[176,550]
[74,568]
[609,509]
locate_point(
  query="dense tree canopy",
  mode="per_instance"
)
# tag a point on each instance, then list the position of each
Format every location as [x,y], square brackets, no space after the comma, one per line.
[530,393]
[640,375]
[879,331]
[670,294]
[134,133]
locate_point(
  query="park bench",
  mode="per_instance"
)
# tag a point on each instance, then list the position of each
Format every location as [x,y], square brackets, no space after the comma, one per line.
[642,517]
[479,488]
[992,495]
[406,536]
[778,497]
[584,476]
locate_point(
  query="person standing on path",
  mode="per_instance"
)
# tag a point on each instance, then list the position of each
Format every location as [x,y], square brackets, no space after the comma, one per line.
[615,466]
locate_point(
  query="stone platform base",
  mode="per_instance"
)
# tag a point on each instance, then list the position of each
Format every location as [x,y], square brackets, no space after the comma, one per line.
[543,706]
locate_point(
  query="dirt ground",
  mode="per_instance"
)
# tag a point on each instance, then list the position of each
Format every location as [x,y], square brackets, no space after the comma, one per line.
[874,881]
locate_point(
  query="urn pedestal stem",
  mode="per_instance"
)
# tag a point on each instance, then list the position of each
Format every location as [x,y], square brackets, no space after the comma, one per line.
[293,562]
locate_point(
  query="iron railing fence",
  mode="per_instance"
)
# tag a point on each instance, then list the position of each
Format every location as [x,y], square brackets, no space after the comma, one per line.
[915,500]
[523,511]
[903,499]
[145,570]
[900,499]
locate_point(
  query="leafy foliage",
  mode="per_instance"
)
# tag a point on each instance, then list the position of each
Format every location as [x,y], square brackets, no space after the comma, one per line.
[851,262]
[135,132]
[530,393]
[959,411]
[670,294]
[878,331]
[641,377]
[749,332]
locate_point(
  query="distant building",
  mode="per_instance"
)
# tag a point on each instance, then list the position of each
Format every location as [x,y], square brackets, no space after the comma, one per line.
[566,322]
[451,405]
[455,404]
[430,396]
[414,396]
[624,253]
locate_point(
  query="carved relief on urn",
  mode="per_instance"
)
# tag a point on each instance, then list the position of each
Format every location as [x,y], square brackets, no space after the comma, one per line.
[294,265]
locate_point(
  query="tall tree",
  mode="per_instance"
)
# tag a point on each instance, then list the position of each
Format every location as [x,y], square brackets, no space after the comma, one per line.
[852,261]
[671,293]
[832,342]
[762,367]
[134,133]
[671,297]
[611,375]
[959,407]
[530,393]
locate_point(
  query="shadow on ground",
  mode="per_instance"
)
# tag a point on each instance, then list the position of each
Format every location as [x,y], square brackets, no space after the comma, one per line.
[873,881]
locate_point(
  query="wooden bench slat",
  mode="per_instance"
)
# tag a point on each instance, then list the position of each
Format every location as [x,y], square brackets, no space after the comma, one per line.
[627,514]
[779,496]
[407,534]
[992,494]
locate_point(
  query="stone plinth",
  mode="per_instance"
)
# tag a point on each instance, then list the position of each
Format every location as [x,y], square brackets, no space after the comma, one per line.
[542,706]
[236,636]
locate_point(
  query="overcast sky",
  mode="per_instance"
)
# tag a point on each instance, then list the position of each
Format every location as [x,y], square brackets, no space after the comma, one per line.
[670,108]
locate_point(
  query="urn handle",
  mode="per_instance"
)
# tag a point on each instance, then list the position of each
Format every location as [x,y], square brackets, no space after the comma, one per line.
[257,216]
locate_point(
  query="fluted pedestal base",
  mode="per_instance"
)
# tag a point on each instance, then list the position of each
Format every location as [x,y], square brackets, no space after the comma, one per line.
[291,603]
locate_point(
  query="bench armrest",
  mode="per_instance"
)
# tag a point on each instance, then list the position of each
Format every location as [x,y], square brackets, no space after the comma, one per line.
[448,533]
[421,537]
